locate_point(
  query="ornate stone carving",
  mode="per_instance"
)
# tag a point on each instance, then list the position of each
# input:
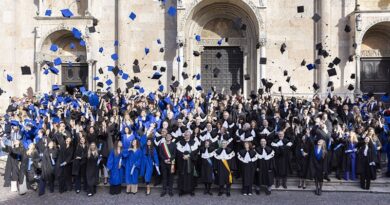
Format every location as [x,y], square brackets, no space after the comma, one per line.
[359,22]
[368,22]
[375,53]
[263,42]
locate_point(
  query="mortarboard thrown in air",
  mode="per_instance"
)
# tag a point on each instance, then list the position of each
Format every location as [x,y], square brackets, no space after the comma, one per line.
[197,76]
[263,61]
[198,88]
[57,61]
[129,84]
[136,68]
[161,88]
[132,16]
[156,76]
[293,88]
[109,82]
[188,88]
[300,9]
[54,47]
[125,76]
[54,70]
[332,72]
[316,86]
[285,73]
[336,61]
[115,70]
[319,46]
[9,78]
[350,58]
[196,53]
[116,43]
[316,17]
[216,72]
[147,50]
[163,69]
[72,46]
[100,70]
[92,29]
[283,48]
[100,84]
[353,76]
[288,79]
[351,87]
[330,65]
[218,55]
[161,50]
[55,87]
[66,13]
[76,33]
[185,65]
[197,38]
[101,49]
[172,11]
[26,70]
[114,56]
[310,66]
[219,42]
[247,77]
[158,41]
[184,75]
[330,83]
[96,78]
[347,28]
[303,63]
[48,12]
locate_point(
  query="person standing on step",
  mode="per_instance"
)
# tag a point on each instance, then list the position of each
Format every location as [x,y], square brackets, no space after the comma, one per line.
[167,153]
[247,158]
[150,162]
[282,147]
[115,166]
[349,161]
[79,165]
[92,168]
[302,155]
[48,164]
[132,168]
[64,165]
[366,165]
[265,167]
[207,152]
[224,166]
[319,164]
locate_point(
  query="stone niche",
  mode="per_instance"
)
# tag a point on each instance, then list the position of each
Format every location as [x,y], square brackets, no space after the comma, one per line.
[375,41]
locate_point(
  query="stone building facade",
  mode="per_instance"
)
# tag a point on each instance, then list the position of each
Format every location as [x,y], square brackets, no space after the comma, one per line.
[245,32]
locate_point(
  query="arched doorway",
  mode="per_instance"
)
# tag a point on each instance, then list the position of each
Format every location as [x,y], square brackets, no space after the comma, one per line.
[375,59]
[73,71]
[230,31]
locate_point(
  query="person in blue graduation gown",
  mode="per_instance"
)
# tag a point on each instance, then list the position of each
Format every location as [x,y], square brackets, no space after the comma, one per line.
[115,167]
[149,162]
[132,168]
[127,137]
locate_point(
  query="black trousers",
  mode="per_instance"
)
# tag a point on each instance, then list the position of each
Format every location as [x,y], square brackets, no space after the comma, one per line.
[167,177]
[222,188]
[65,180]
[77,181]
[365,182]
[92,189]
[247,189]
[115,189]
[43,182]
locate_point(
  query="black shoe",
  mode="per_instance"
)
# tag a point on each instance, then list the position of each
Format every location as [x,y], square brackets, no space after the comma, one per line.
[285,186]
[319,192]
[267,192]
[77,191]
[210,193]
[205,192]
[220,193]
[192,194]
[163,194]
[228,194]
[171,194]
[327,179]
[257,192]
[316,192]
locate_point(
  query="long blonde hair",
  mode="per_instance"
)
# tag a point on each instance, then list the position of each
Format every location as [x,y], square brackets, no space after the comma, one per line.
[31,149]
[92,151]
[353,137]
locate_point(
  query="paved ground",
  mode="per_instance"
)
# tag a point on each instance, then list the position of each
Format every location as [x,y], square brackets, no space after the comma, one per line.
[277,197]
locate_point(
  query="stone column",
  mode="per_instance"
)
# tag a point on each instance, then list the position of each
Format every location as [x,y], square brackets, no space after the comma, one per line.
[90,75]
[261,67]
[41,10]
[322,76]
[357,90]
[245,70]
[180,45]
[38,74]
[89,8]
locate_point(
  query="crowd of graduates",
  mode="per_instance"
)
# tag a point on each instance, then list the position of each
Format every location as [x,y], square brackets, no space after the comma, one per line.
[202,139]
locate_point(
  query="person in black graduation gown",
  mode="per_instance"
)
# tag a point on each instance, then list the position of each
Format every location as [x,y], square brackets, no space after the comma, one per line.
[15,167]
[167,153]
[92,168]
[265,166]
[318,164]
[338,137]
[79,165]
[187,152]
[48,163]
[302,153]
[247,158]
[282,148]
[32,160]
[207,152]
[224,166]
[366,166]
[64,165]
[105,144]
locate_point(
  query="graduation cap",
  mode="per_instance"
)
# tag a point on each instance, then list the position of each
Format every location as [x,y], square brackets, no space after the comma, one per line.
[172,11]
[198,88]
[163,69]
[288,79]
[196,53]
[219,42]
[316,86]
[76,33]
[319,46]
[100,84]
[350,58]
[109,82]
[136,69]
[129,84]
[310,66]
[283,48]
[155,67]
[48,12]
[293,88]
[300,9]
[218,55]
[82,43]
[57,61]
[175,84]
[114,56]
[161,88]
[66,13]
[330,83]
[353,76]
[303,63]
[269,85]
[132,16]
[54,47]
[136,62]
[158,41]
[1,91]
[324,53]
[197,38]
[330,65]
[188,88]
[125,76]
[54,70]
[247,77]
[197,76]
[173,78]
[116,43]
[92,29]
[258,45]
[156,76]
[72,46]
[347,28]
[55,87]
[280,88]
[147,50]
[216,72]
[115,70]
[336,61]
[185,65]
[332,72]
[161,50]
[316,17]
[243,27]
[26,70]
[100,70]
[263,61]
[184,75]
[351,87]
[285,73]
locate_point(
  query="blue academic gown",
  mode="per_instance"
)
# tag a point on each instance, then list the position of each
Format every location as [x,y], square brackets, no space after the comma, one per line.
[127,139]
[133,159]
[116,171]
[148,164]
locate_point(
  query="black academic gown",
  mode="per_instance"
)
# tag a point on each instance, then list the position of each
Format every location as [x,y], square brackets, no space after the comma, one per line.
[92,170]
[15,165]
[282,157]
[65,154]
[247,166]
[318,166]
[207,164]
[265,166]
[79,165]
[186,168]
[224,174]
[365,165]
[48,163]
[303,162]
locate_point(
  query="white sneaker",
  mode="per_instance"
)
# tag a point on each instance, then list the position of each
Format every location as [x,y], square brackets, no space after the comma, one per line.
[250,194]
[244,194]
[89,195]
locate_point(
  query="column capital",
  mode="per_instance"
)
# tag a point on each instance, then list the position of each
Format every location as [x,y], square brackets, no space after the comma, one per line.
[263,42]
